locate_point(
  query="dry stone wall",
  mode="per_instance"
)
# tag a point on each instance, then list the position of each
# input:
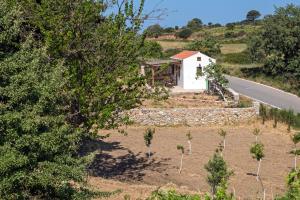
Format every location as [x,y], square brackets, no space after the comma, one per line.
[192,116]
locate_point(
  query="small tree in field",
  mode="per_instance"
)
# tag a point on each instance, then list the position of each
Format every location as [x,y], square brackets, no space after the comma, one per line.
[223,134]
[189,137]
[148,136]
[257,151]
[219,173]
[296,152]
[181,149]
[256,132]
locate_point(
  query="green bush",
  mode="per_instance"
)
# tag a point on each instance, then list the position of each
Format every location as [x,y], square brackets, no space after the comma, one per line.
[184,33]
[172,195]
[238,58]
[171,52]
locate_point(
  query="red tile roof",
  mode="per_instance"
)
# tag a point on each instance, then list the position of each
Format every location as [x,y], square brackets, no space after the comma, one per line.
[184,55]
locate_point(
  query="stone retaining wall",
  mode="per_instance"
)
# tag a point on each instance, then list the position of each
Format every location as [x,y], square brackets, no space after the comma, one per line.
[192,116]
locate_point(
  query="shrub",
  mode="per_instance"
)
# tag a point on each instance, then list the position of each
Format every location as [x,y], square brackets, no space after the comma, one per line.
[172,195]
[184,33]
[229,34]
[171,52]
[218,172]
[238,58]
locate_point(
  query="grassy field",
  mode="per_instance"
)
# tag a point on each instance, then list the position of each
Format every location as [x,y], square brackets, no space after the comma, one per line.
[233,48]
[173,44]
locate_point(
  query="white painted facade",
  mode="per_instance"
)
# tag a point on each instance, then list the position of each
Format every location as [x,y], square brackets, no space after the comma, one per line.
[187,78]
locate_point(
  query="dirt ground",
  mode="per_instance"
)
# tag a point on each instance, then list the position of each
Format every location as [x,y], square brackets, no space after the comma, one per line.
[123,164]
[193,100]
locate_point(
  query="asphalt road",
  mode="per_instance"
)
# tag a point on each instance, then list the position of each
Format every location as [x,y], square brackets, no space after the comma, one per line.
[265,94]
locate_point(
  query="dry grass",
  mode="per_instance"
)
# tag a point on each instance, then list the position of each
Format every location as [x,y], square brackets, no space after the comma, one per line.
[190,100]
[172,44]
[233,48]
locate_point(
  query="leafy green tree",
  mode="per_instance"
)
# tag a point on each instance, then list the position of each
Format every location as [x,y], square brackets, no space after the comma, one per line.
[148,137]
[209,46]
[252,15]
[293,185]
[154,31]
[169,30]
[184,33]
[181,149]
[257,151]
[296,152]
[195,24]
[215,75]
[64,68]
[277,43]
[219,173]
[151,49]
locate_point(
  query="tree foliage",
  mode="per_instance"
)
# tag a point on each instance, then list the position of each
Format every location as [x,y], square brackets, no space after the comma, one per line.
[277,43]
[154,31]
[195,24]
[218,171]
[209,46]
[65,67]
[151,49]
[252,15]
[184,33]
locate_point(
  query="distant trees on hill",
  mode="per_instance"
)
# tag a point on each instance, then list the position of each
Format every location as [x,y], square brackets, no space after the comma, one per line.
[252,15]
[277,44]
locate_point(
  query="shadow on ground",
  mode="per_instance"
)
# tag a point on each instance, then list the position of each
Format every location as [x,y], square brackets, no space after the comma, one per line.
[129,166]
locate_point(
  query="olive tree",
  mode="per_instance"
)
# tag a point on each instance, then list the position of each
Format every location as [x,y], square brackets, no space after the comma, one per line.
[218,172]
[148,136]
[257,151]
[215,75]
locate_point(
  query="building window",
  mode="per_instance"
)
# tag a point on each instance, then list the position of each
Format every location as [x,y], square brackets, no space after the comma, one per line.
[198,58]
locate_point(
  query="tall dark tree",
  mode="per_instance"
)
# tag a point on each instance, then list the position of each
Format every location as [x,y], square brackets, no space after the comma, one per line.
[64,68]
[277,44]
[252,15]
[154,31]
[195,24]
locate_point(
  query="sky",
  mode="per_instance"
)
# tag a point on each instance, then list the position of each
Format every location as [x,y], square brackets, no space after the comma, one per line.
[179,12]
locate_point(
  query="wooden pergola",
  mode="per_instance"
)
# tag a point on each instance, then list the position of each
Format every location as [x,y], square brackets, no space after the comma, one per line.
[171,70]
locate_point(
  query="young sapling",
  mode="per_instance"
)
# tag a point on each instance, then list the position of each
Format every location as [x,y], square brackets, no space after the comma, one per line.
[148,136]
[223,134]
[181,149]
[256,133]
[257,151]
[296,152]
[189,137]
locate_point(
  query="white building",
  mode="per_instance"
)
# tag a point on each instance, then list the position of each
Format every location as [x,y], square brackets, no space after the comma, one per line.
[184,70]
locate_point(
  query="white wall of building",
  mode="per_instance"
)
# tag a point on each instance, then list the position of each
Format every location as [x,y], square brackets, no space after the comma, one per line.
[189,70]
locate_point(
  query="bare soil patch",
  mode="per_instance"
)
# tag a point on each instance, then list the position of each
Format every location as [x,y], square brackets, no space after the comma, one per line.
[123,158]
[188,100]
